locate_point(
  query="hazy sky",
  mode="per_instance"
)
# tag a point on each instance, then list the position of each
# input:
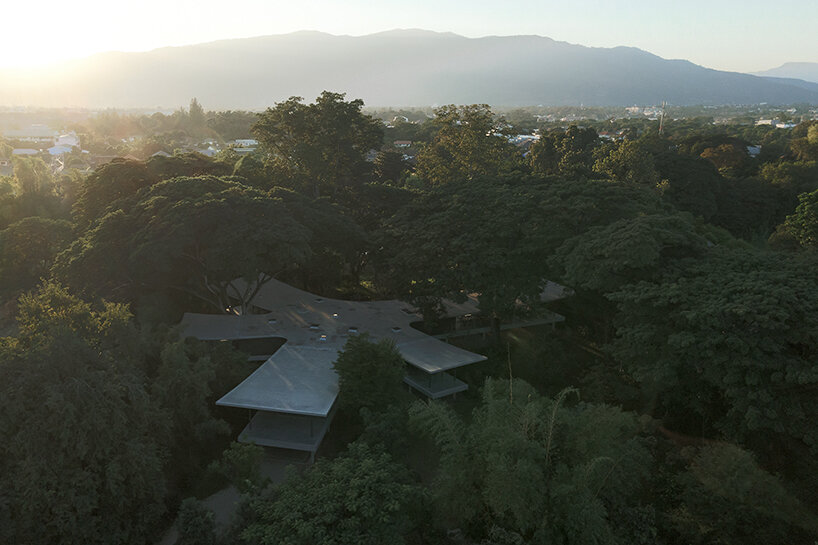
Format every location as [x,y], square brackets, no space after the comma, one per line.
[739,35]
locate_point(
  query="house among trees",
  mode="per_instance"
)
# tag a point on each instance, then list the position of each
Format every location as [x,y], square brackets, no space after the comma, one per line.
[292,394]
[59,150]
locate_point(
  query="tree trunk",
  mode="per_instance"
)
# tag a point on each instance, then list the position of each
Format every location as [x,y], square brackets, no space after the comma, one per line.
[495,328]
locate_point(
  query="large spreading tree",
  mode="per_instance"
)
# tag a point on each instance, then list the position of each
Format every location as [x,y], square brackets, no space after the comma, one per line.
[494,236]
[727,343]
[28,248]
[214,239]
[319,148]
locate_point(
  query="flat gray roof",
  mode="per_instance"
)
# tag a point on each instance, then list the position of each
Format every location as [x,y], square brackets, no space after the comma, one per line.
[435,356]
[297,380]
[299,377]
[219,327]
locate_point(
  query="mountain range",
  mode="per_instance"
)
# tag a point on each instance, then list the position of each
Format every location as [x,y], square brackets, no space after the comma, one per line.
[394,68]
[806,71]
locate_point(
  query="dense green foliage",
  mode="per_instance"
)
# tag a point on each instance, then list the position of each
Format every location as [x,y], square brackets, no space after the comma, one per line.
[494,236]
[100,429]
[321,147]
[28,248]
[690,332]
[113,183]
[196,524]
[535,469]
[370,374]
[732,339]
[81,461]
[802,226]
[213,238]
[240,464]
[360,497]
[569,153]
[754,505]
[467,144]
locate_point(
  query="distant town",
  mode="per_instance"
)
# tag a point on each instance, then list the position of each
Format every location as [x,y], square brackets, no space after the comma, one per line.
[85,139]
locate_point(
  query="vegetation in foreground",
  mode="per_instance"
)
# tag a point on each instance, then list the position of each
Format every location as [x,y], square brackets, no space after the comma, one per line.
[676,404]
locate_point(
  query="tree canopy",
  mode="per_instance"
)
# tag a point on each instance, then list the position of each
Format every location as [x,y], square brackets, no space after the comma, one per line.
[468,144]
[109,186]
[568,153]
[495,236]
[535,468]
[319,148]
[370,374]
[28,248]
[80,461]
[691,334]
[360,497]
[729,339]
[212,238]
[754,505]
[802,226]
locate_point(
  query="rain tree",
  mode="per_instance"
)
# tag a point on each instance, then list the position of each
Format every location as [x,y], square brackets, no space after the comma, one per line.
[728,339]
[216,240]
[337,243]
[28,248]
[494,236]
[462,237]
[638,248]
[110,185]
[568,153]
[752,505]
[627,162]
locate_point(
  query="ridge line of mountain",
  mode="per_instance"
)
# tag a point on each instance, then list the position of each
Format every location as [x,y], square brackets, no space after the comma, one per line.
[401,67]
